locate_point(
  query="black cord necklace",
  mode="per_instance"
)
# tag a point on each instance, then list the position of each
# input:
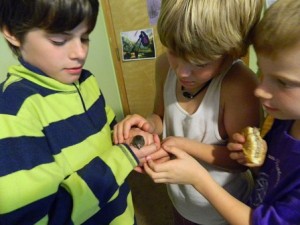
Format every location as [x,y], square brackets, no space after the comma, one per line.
[188,95]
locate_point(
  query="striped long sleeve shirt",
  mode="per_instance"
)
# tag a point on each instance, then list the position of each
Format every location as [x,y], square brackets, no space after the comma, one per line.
[57,161]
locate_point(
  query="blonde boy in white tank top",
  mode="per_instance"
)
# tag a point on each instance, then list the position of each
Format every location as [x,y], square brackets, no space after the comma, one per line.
[202,126]
[208,94]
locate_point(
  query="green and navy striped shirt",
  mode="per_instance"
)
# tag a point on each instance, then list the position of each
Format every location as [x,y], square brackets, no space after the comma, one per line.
[57,161]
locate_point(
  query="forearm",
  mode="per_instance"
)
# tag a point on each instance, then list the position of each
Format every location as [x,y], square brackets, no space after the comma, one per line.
[156,123]
[212,154]
[233,210]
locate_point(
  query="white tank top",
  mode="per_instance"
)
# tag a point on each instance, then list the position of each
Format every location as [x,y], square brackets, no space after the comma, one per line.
[203,127]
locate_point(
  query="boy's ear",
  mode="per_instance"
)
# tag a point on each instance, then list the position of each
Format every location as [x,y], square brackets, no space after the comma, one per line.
[10,38]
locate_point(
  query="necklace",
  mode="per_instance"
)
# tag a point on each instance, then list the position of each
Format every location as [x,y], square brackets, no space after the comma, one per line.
[188,95]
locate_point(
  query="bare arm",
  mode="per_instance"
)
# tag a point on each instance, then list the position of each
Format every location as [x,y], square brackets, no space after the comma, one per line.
[233,210]
[161,71]
[186,170]
[240,108]
[153,123]
[213,154]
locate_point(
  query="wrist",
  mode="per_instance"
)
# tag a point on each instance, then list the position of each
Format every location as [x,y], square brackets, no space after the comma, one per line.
[203,183]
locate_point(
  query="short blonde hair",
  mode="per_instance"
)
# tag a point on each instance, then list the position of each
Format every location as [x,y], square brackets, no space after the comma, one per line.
[208,29]
[279,28]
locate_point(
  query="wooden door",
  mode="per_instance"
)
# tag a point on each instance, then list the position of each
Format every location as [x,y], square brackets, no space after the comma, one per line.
[136,78]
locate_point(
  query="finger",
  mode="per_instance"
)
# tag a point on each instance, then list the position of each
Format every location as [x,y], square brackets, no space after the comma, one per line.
[127,127]
[234,146]
[157,177]
[146,127]
[129,122]
[237,155]
[115,134]
[149,138]
[242,161]
[156,140]
[150,162]
[142,161]
[238,137]
[144,151]
[118,132]
[123,132]
[163,159]
[159,154]
[139,169]
[157,168]
[178,153]
[151,173]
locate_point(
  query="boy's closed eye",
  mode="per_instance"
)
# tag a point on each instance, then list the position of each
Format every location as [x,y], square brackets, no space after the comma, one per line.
[60,40]
[201,65]
[287,84]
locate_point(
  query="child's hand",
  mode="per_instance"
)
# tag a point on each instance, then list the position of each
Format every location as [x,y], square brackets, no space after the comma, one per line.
[147,137]
[122,129]
[171,141]
[142,150]
[184,169]
[237,153]
[160,156]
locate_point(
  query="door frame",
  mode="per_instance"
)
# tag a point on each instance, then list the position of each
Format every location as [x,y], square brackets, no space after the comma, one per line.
[115,55]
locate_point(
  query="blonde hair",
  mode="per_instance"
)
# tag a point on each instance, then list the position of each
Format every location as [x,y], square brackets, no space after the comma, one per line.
[279,28]
[208,29]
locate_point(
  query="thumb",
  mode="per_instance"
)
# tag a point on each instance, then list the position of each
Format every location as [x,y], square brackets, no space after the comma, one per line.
[146,150]
[178,153]
[146,127]
[156,140]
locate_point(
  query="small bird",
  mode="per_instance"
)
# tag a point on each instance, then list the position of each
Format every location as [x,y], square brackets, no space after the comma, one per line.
[138,141]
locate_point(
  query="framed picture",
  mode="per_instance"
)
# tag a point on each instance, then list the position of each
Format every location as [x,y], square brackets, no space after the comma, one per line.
[138,44]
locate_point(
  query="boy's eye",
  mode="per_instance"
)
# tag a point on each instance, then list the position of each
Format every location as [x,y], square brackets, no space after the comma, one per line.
[284,83]
[58,41]
[62,41]
[85,40]
[201,65]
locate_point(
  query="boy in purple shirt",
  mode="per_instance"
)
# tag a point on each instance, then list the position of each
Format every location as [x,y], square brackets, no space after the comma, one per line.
[276,197]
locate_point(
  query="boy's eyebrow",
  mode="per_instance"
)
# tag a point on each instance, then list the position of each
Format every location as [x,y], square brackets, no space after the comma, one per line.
[69,33]
[284,78]
[279,76]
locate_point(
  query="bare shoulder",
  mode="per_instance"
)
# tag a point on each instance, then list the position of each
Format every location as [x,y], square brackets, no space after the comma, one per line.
[161,71]
[239,105]
[239,78]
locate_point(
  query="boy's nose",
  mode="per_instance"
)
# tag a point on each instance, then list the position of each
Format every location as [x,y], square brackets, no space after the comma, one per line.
[262,93]
[183,70]
[78,50]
